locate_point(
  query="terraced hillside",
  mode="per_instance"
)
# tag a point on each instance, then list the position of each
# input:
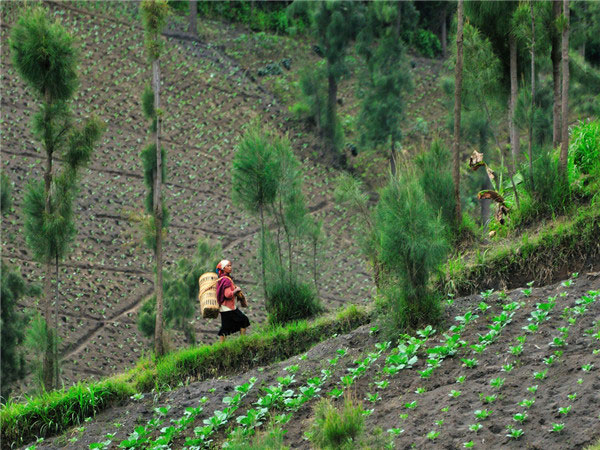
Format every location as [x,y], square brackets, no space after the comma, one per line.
[209,103]
[514,369]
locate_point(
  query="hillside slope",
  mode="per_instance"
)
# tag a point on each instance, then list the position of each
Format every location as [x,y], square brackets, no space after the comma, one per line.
[209,104]
[556,366]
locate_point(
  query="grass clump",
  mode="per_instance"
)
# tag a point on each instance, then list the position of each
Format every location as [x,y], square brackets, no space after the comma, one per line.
[335,428]
[53,412]
[270,439]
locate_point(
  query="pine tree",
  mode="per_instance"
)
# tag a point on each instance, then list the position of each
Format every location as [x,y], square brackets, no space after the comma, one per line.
[335,24]
[154,16]
[44,56]
[387,78]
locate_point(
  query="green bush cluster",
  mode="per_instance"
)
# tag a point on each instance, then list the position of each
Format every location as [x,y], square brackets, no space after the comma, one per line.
[291,300]
[427,43]
[265,16]
[56,411]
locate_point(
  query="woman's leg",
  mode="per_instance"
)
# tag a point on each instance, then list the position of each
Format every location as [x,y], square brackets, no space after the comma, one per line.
[222,338]
[242,331]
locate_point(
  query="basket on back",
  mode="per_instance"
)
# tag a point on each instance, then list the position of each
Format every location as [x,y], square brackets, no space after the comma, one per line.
[208,295]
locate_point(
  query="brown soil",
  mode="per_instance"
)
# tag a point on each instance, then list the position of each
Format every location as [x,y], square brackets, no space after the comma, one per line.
[564,377]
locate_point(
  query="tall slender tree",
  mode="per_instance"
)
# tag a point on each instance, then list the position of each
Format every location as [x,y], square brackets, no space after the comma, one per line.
[154,16]
[386,80]
[555,57]
[564,147]
[493,19]
[335,24]
[44,55]
[457,108]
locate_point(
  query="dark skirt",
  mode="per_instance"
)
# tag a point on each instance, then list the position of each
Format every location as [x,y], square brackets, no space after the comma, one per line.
[232,322]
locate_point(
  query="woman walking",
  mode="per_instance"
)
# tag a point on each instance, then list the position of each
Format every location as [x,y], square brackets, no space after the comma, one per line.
[232,319]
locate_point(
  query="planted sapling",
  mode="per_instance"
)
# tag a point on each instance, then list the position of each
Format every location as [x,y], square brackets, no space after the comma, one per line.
[557,427]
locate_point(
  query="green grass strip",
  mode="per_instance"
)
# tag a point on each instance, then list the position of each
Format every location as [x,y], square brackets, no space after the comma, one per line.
[569,245]
[54,412]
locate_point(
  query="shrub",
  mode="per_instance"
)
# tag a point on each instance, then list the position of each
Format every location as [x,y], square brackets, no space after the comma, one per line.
[548,194]
[427,43]
[412,246]
[289,299]
[337,429]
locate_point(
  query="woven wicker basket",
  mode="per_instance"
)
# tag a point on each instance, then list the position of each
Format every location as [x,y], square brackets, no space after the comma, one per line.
[208,295]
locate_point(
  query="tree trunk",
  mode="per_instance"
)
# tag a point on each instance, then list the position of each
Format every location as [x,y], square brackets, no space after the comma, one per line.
[564,148]
[158,288]
[331,110]
[555,56]
[457,110]
[530,147]
[47,369]
[393,157]
[515,144]
[56,311]
[263,251]
[193,17]
[444,32]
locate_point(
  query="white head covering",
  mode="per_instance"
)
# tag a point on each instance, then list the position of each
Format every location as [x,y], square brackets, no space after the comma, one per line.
[223,263]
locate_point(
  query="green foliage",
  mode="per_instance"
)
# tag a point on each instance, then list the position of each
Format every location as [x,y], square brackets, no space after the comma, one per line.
[12,326]
[5,193]
[38,339]
[289,299]
[314,96]
[337,429]
[542,117]
[154,17]
[81,143]
[584,147]
[49,235]
[256,172]
[56,411]
[427,43]
[549,194]
[265,16]
[384,87]
[43,54]
[411,244]
[148,103]
[411,239]
[435,178]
